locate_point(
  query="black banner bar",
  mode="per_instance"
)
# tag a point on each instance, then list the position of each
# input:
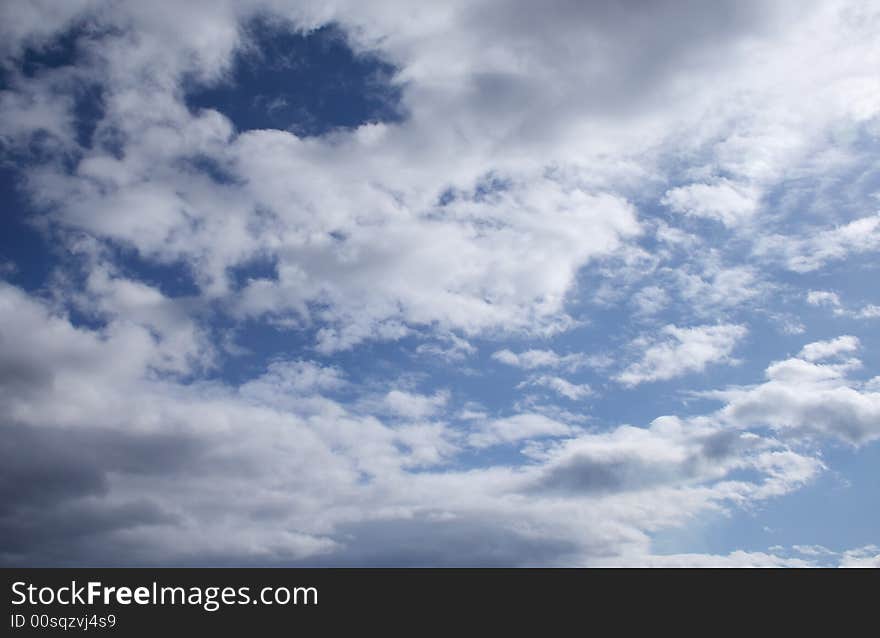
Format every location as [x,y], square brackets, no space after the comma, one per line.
[134,602]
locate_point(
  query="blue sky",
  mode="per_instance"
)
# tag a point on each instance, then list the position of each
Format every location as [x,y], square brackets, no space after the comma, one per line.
[294,283]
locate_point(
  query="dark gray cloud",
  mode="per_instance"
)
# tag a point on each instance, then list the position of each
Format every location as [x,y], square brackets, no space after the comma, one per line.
[54,489]
[75,533]
[22,375]
[584,474]
[473,541]
[594,473]
[601,57]
[42,468]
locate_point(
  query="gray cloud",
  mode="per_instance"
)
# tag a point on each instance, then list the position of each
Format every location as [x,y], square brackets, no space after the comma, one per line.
[600,471]
[474,540]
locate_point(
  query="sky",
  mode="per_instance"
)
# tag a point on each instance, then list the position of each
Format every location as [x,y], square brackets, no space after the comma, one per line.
[472,283]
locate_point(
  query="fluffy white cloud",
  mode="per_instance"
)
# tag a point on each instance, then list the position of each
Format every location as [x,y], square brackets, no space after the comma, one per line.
[806,397]
[723,201]
[346,217]
[414,406]
[285,383]
[868,556]
[819,350]
[681,351]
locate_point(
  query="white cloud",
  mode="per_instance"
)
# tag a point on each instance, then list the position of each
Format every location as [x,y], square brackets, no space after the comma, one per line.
[789,324]
[723,201]
[812,550]
[681,351]
[870,311]
[819,350]
[710,287]
[516,428]
[285,383]
[809,252]
[535,359]
[808,556]
[832,300]
[823,298]
[734,560]
[806,397]
[867,556]
[455,349]
[414,406]
[650,300]
[346,217]
[560,386]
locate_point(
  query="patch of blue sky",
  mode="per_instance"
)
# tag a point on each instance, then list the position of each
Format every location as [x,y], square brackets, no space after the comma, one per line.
[27,257]
[308,83]
[838,510]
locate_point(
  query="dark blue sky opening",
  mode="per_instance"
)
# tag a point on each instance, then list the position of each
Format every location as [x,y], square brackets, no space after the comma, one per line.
[25,257]
[307,83]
